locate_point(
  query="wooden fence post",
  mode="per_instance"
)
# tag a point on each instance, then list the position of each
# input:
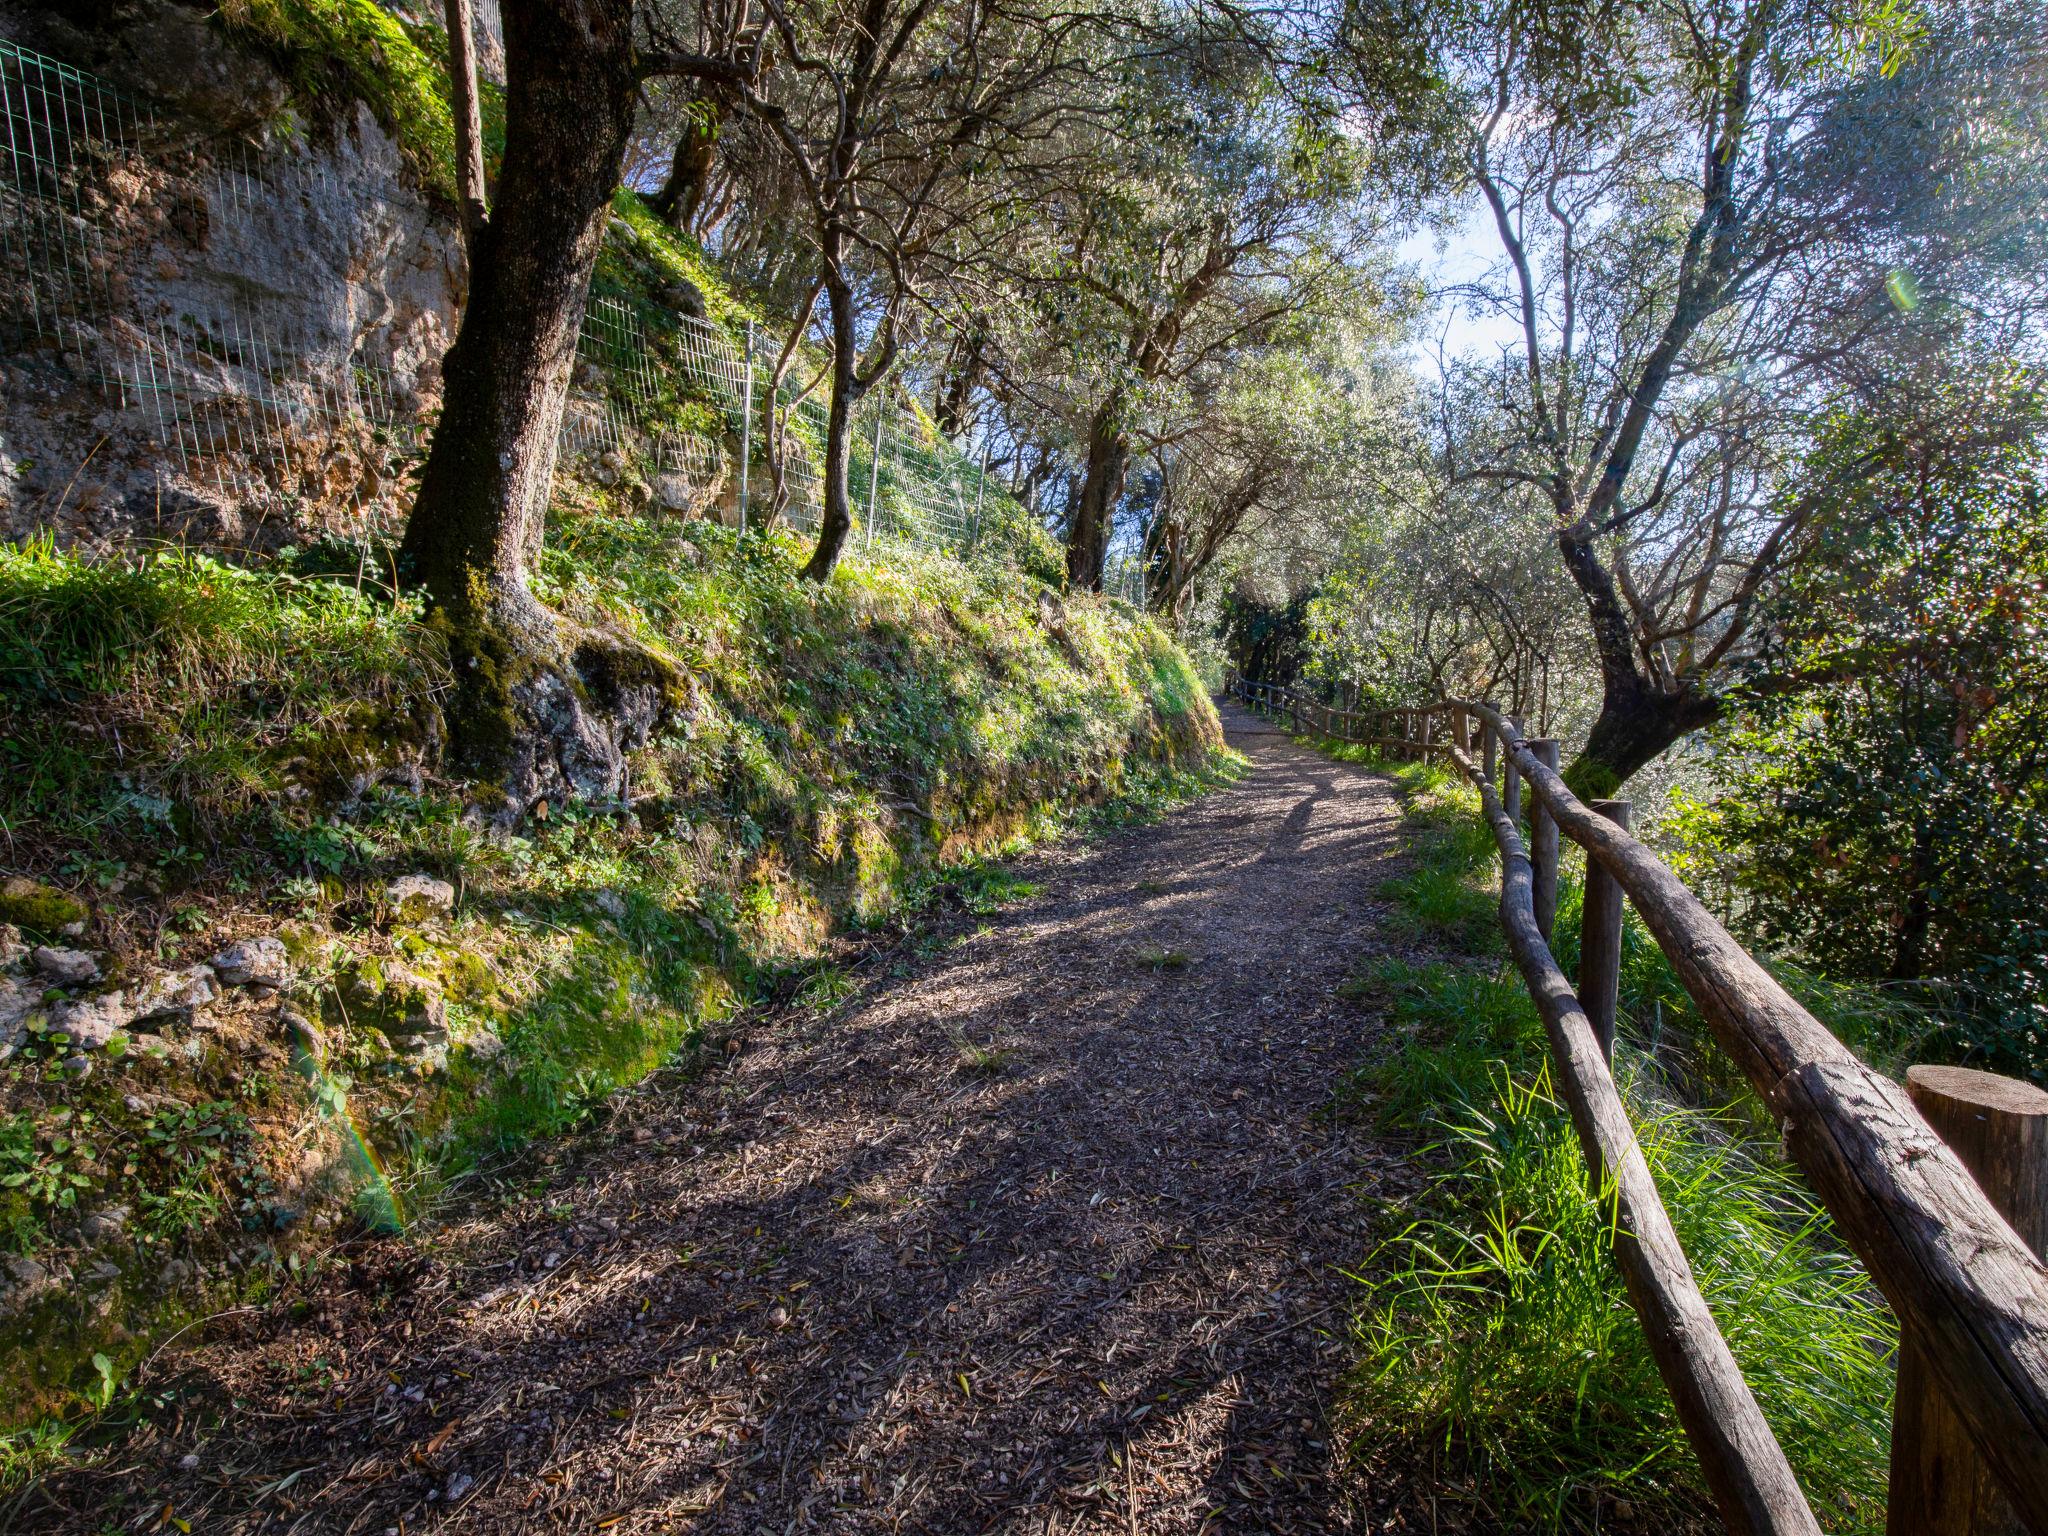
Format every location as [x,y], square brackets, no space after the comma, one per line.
[1461,730]
[1511,776]
[1998,1127]
[1600,939]
[1491,743]
[1543,842]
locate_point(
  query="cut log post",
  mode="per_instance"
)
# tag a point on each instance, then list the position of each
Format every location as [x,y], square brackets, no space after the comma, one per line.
[1511,776]
[1492,744]
[1998,1126]
[1461,730]
[1600,939]
[1543,842]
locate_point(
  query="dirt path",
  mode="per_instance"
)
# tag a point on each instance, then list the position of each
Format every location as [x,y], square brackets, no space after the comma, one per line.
[853,1282]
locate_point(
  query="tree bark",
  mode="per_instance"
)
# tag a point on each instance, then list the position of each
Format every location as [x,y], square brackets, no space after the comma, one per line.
[1109,457]
[1636,723]
[537,704]
[682,193]
[837,521]
[1637,719]
[469,125]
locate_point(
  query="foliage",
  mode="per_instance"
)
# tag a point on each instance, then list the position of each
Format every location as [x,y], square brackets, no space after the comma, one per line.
[1890,823]
[173,692]
[1500,1322]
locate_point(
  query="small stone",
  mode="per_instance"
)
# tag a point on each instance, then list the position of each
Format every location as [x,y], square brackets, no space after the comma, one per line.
[778,1317]
[66,967]
[105,1224]
[642,1134]
[417,896]
[188,1462]
[91,1022]
[254,963]
[459,1483]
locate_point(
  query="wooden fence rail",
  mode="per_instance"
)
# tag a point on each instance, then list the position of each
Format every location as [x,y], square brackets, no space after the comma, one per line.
[1970,1296]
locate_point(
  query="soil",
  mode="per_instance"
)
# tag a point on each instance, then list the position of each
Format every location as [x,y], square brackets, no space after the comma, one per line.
[1043,1232]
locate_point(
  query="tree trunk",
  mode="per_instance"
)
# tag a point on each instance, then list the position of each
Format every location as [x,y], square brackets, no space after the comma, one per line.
[1109,457]
[837,522]
[526,682]
[1636,723]
[957,386]
[689,172]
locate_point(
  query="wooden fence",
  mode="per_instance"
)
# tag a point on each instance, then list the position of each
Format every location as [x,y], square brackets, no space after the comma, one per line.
[1970,1420]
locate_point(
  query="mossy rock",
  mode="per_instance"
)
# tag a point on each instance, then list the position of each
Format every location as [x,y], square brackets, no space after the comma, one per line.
[41,911]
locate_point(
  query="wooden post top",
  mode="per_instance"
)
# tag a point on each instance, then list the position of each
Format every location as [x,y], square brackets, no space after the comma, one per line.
[1969,1088]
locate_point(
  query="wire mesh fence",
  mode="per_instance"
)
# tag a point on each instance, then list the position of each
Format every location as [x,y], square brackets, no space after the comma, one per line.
[244,395]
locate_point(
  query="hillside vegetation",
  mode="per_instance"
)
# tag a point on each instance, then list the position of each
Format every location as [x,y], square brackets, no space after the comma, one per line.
[202,756]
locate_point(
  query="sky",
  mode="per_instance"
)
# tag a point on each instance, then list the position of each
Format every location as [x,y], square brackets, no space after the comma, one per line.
[1462,251]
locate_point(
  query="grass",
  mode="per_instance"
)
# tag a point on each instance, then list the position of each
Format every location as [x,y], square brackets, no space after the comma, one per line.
[1494,1327]
[198,752]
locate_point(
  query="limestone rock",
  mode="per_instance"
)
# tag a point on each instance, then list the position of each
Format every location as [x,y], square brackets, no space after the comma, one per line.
[18,999]
[12,950]
[417,896]
[22,1282]
[66,967]
[689,495]
[104,1225]
[175,997]
[91,1022]
[260,963]
[41,908]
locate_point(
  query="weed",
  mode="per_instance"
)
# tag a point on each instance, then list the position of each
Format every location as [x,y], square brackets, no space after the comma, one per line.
[975,1058]
[1154,957]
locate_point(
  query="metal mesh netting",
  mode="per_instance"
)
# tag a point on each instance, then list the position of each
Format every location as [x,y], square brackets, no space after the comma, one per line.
[243,395]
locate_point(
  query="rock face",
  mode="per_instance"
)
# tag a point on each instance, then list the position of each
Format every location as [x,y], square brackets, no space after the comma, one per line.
[316,270]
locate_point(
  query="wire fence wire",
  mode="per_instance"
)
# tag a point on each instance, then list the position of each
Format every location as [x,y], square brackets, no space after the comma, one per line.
[246,398]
